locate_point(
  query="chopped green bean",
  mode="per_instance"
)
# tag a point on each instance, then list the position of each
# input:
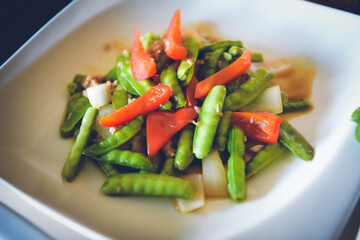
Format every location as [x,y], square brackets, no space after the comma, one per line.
[294,104]
[184,154]
[263,158]
[222,132]
[186,67]
[117,139]
[73,160]
[168,77]
[236,165]
[148,184]
[248,91]
[295,142]
[208,121]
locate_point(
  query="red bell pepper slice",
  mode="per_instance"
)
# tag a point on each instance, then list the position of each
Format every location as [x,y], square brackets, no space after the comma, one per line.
[190,92]
[225,75]
[142,65]
[161,126]
[259,126]
[174,47]
[147,103]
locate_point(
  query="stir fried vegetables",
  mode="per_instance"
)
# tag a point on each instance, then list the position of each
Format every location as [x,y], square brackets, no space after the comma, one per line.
[174,118]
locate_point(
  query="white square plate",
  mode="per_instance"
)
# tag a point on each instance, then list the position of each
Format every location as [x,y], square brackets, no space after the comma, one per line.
[291,199]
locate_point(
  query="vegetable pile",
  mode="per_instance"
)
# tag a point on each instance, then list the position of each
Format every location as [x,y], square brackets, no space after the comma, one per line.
[180,118]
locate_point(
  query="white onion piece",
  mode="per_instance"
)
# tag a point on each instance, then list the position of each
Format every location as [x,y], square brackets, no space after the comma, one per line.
[98,95]
[214,175]
[269,100]
[198,201]
[104,132]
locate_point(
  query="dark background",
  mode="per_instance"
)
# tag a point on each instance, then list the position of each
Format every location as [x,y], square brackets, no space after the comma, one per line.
[20,19]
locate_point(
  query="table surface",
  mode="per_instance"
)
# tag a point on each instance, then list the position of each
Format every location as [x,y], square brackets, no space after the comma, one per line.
[23,19]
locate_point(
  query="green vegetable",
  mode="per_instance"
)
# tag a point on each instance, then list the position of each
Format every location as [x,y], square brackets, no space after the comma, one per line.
[186,67]
[119,98]
[257,57]
[168,168]
[222,132]
[168,77]
[211,62]
[108,169]
[117,139]
[208,121]
[263,158]
[126,158]
[295,142]
[75,111]
[236,51]
[111,75]
[294,104]
[148,184]
[248,91]
[148,38]
[74,157]
[184,154]
[236,165]
[217,45]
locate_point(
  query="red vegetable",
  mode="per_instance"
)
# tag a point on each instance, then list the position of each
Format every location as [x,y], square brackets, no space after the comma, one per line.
[142,65]
[259,126]
[147,103]
[174,47]
[190,92]
[161,126]
[225,75]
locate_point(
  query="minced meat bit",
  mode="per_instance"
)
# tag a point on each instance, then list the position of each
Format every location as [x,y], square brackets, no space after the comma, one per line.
[91,81]
[110,87]
[156,49]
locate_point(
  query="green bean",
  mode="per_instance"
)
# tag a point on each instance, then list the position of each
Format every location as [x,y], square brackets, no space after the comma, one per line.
[75,86]
[217,45]
[263,158]
[73,160]
[186,67]
[168,77]
[111,75]
[211,61]
[184,154]
[257,57]
[75,111]
[121,76]
[294,104]
[108,168]
[168,168]
[208,121]
[148,184]
[117,139]
[227,56]
[126,158]
[236,165]
[148,38]
[119,98]
[222,132]
[140,87]
[236,51]
[248,91]
[295,142]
